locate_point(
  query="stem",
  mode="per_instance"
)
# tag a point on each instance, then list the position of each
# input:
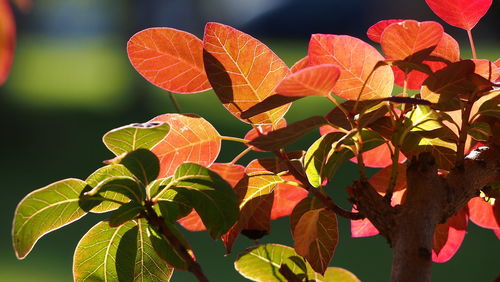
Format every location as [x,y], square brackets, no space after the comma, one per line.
[240,155]
[471,41]
[235,139]
[157,221]
[174,101]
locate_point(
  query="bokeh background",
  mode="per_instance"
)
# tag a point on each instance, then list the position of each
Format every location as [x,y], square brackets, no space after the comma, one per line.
[71,82]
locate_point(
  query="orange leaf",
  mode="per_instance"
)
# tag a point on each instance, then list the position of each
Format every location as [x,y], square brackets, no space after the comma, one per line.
[317,80]
[232,173]
[484,214]
[170,59]
[497,63]
[190,139]
[286,196]
[375,31]
[449,236]
[263,130]
[316,237]
[460,13]
[356,60]
[243,71]
[7,39]
[410,40]
[486,69]
[497,233]
[300,64]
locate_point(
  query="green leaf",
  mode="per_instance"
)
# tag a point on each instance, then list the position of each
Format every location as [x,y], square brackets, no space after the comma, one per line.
[443,152]
[423,118]
[102,175]
[319,164]
[45,210]
[491,108]
[123,185]
[148,265]
[135,136]
[262,263]
[165,250]
[210,195]
[106,253]
[125,213]
[480,131]
[279,138]
[167,201]
[143,164]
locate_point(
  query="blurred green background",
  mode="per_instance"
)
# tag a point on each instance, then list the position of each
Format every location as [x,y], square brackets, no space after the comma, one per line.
[71,82]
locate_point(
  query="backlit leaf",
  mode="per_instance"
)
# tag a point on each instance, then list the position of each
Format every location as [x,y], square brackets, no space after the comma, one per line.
[486,69]
[411,40]
[44,210]
[460,13]
[480,131]
[484,214]
[143,164]
[300,64]
[490,107]
[232,173]
[170,59]
[336,274]
[375,31]
[164,250]
[242,70]
[105,253]
[449,236]
[7,39]
[103,174]
[277,139]
[263,129]
[316,236]
[125,213]
[190,139]
[317,80]
[135,136]
[169,203]
[356,60]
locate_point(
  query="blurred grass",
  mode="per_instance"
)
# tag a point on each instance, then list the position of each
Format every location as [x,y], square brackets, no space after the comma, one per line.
[63,96]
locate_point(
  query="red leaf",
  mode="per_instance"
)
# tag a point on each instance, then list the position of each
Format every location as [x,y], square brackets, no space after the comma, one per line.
[449,236]
[484,214]
[497,63]
[263,130]
[447,49]
[232,173]
[286,196]
[190,139]
[486,69]
[497,233]
[460,13]
[410,40]
[317,80]
[356,59]
[170,59]
[7,39]
[300,64]
[375,31]
[243,71]
[362,228]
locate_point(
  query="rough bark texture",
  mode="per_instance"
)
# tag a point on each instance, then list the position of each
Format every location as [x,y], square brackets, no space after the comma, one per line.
[431,199]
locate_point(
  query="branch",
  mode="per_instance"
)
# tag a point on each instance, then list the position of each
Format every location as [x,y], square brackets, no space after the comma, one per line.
[157,221]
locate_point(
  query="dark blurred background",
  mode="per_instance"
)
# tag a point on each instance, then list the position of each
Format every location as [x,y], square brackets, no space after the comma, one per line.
[71,82]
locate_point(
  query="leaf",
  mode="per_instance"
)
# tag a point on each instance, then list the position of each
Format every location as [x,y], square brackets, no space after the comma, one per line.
[316,237]
[449,236]
[375,31]
[232,173]
[165,251]
[105,253]
[125,213]
[317,80]
[486,69]
[135,136]
[212,197]
[379,156]
[7,39]
[490,107]
[169,58]
[242,70]
[460,13]
[300,64]
[44,210]
[143,164]
[124,185]
[263,129]
[411,40]
[148,265]
[480,131]
[279,138]
[170,205]
[443,152]
[320,162]
[271,102]
[285,196]
[262,263]
[254,193]
[484,214]
[356,60]
[103,175]
[190,139]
